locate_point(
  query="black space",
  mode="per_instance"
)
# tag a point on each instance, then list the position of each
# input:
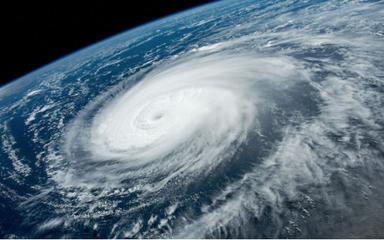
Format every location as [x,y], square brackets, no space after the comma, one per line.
[35,33]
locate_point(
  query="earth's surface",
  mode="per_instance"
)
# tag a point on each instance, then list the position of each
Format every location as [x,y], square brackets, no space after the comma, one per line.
[234,119]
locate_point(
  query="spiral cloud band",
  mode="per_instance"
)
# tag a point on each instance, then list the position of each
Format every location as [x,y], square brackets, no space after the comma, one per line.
[182,118]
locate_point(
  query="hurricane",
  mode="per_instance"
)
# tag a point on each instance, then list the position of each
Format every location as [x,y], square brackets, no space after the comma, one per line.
[182,120]
[233,120]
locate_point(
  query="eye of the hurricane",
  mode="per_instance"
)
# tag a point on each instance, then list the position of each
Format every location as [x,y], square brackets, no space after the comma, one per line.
[157,116]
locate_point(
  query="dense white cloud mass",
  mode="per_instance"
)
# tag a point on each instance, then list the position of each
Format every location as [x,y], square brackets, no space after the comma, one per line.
[183,119]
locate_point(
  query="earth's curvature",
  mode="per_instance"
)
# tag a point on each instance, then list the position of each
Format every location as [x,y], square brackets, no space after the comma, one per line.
[235,119]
